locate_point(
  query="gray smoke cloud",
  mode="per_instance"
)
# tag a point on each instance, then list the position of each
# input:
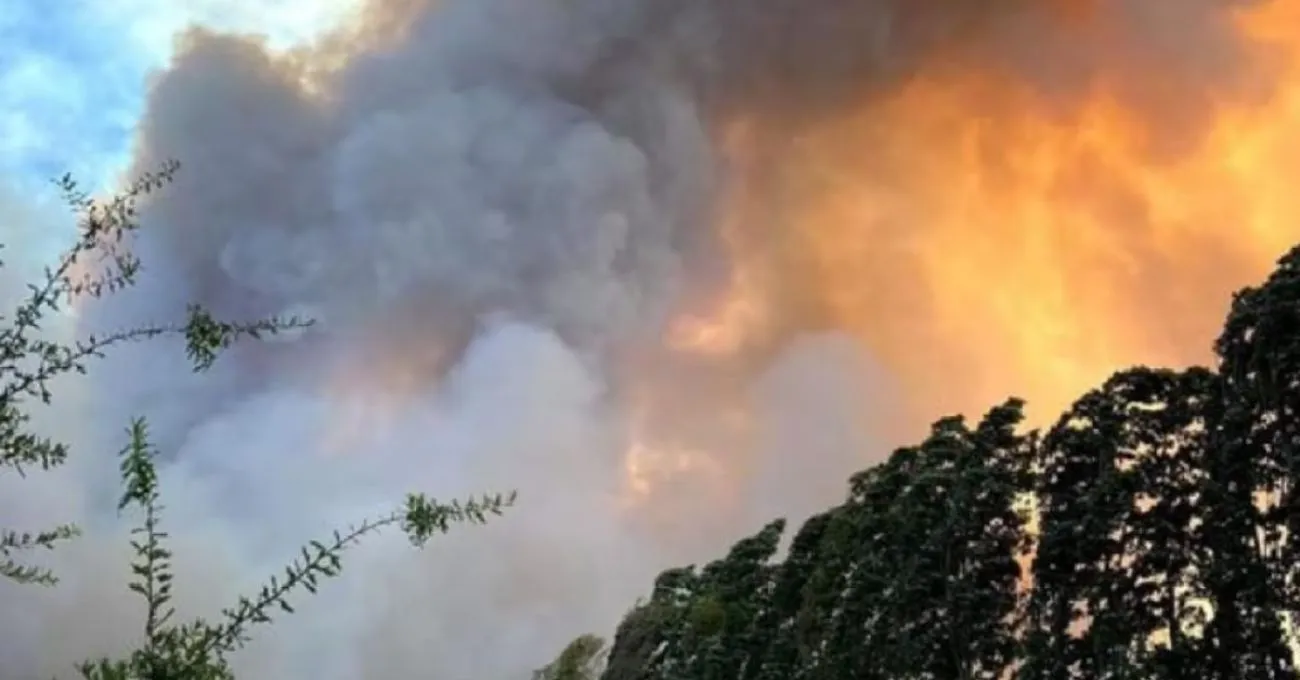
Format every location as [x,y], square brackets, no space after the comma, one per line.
[488,206]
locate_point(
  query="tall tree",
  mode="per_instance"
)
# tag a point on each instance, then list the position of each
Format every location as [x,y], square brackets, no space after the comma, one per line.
[1121,529]
[1251,480]
[786,652]
[721,634]
[650,640]
[846,591]
[1168,546]
[955,535]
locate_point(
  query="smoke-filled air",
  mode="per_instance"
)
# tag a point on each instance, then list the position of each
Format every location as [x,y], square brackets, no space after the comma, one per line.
[669,268]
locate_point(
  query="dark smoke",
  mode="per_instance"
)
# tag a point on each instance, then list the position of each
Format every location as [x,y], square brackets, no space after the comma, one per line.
[492,203]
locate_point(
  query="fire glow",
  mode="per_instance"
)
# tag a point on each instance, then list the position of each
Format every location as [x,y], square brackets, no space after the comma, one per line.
[984,239]
[737,250]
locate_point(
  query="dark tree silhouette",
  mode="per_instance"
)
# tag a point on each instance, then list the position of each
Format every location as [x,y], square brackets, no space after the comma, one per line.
[1121,530]
[1167,546]
[1253,458]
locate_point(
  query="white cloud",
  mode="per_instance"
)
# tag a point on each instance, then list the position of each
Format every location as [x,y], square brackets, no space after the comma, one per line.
[150,25]
[40,82]
[72,82]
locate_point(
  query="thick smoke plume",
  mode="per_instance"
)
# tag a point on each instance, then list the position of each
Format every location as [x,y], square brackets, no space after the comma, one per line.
[495,209]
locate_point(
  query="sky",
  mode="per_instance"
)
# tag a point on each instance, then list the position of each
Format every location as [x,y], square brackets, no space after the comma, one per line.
[74,75]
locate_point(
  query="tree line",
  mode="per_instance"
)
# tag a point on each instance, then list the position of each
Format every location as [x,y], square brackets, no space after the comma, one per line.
[1162,542]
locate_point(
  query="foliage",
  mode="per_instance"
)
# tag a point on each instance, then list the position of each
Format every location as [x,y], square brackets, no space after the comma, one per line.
[99,263]
[580,660]
[1254,452]
[1123,536]
[915,573]
[198,649]
[1164,542]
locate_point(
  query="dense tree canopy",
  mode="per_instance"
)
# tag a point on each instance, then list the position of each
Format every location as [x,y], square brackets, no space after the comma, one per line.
[1163,542]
